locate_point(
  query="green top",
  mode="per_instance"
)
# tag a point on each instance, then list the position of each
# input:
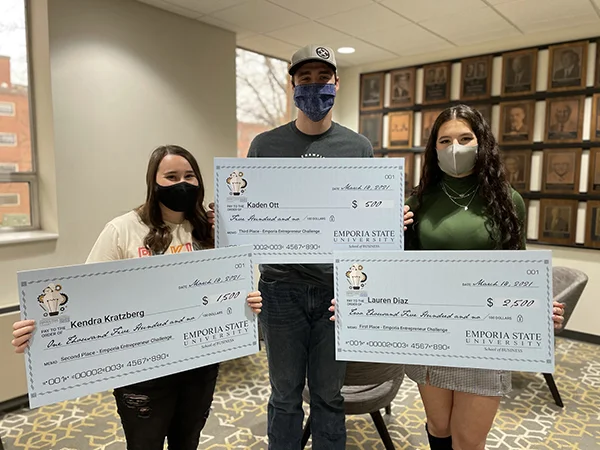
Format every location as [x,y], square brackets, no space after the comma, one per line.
[442,225]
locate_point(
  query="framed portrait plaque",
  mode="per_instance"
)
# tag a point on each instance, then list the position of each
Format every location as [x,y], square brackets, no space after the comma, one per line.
[594,173]
[400,129]
[436,83]
[476,78]
[517,168]
[402,89]
[517,120]
[567,68]
[428,117]
[371,126]
[519,71]
[558,221]
[560,174]
[595,119]
[486,112]
[592,229]
[409,167]
[564,119]
[597,83]
[371,91]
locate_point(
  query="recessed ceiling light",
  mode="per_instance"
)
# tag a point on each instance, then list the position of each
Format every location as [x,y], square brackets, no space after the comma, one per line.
[346,50]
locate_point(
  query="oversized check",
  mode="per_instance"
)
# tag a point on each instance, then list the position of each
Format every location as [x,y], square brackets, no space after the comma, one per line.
[106,325]
[478,309]
[299,210]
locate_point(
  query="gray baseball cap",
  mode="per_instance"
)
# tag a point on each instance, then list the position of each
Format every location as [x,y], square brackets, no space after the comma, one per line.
[312,52]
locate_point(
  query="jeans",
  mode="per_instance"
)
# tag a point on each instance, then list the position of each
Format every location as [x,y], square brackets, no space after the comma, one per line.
[175,406]
[300,340]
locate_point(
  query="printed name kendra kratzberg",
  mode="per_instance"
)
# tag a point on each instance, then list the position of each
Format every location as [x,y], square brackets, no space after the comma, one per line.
[108,318]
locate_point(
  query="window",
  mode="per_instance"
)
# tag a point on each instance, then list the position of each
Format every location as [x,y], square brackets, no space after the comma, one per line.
[9,200]
[7,109]
[18,177]
[8,167]
[263,96]
[8,139]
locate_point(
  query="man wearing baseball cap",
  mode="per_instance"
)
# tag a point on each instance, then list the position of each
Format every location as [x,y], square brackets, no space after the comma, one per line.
[295,318]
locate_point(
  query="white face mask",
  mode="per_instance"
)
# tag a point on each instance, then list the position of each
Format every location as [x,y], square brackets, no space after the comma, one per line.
[457,159]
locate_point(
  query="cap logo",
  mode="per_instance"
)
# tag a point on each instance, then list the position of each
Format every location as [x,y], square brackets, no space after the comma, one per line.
[322,53]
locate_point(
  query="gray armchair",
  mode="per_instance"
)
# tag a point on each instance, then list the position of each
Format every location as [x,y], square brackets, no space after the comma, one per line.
[368,388]
[567,286]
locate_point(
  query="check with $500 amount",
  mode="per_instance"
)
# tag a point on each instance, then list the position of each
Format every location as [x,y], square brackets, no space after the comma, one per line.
[300,210]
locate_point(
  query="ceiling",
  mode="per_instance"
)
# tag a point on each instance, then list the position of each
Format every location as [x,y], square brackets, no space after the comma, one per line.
[385,30]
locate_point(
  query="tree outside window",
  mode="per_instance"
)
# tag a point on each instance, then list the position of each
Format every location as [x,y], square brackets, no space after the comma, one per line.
[263,96]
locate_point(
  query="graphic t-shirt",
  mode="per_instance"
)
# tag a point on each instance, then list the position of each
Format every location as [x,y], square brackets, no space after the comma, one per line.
[287,141]
[123,238]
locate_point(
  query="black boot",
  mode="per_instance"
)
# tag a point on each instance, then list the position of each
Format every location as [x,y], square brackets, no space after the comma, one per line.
[436,443]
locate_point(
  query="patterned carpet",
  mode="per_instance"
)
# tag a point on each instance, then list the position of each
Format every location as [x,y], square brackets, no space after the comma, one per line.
[528,418]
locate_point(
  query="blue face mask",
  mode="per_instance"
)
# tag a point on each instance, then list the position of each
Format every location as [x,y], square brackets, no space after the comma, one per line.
[314,100]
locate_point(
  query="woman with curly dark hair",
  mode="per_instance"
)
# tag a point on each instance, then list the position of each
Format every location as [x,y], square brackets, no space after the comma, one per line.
[171,220]
[463,202]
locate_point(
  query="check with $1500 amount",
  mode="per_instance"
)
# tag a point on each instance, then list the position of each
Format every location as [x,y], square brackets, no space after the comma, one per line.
[106,325]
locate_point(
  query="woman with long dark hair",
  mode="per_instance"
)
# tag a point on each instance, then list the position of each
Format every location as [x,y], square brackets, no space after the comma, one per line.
[171,220]
[463,202]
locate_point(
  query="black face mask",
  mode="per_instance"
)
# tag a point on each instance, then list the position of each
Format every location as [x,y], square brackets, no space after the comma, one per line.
[180,197]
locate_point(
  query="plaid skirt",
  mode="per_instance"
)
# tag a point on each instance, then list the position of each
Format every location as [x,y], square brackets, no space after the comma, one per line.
[484,382]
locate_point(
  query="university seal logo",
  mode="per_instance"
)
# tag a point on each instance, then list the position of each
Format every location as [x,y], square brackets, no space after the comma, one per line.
[237,184]
[53,300]
[356,277]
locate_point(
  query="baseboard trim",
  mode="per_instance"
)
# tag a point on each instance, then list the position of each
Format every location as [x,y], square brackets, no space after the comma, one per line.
[14,403]
[579,336]
[9,309]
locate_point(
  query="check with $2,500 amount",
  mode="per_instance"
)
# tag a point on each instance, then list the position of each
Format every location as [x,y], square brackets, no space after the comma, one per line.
[477,309]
